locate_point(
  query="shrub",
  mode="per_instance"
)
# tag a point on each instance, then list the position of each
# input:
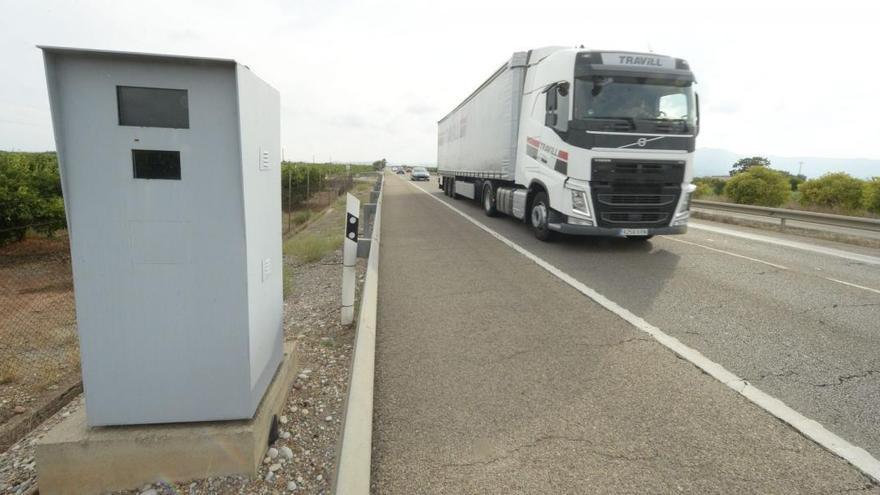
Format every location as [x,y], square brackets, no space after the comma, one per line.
[30,195]
[702,191]
[758,186]
[871,195]
[837,190]
[710,185]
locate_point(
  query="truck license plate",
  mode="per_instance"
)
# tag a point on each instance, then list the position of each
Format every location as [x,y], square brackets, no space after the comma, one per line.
[635,231]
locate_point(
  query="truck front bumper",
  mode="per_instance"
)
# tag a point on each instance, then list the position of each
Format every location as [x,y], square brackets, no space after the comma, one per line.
[572,229]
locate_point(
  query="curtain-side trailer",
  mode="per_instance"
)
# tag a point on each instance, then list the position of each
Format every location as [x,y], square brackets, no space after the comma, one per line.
[577,141]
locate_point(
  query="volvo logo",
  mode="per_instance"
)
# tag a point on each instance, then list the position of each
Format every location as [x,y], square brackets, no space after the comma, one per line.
[641,142]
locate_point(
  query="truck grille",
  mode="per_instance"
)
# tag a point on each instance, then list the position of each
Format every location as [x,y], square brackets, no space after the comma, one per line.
[635,193]
[638,171]
[636,199]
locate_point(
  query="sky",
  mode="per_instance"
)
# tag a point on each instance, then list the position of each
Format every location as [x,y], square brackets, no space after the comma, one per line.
[361,81]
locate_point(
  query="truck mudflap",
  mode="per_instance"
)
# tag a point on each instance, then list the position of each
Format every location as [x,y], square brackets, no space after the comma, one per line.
[572,229]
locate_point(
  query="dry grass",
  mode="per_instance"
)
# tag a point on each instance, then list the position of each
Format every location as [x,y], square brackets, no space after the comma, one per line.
[302,217]
[10,371]
[312,247]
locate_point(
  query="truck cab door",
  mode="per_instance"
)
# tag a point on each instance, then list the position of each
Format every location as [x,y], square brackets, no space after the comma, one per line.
[551,154]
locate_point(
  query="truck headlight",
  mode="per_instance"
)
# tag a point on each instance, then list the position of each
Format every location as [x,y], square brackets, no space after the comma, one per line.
[579,202]
[684,211]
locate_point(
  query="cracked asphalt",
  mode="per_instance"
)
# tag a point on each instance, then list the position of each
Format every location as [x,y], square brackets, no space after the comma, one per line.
[493,376]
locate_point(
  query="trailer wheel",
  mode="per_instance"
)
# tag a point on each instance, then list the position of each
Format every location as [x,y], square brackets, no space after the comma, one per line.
[446,186]
[488,200]
[539,216]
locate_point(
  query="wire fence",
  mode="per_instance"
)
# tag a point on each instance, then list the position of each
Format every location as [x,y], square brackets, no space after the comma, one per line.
[302,199]
[39,349]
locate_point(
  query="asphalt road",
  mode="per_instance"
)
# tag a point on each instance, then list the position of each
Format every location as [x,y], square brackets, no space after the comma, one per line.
[493,376]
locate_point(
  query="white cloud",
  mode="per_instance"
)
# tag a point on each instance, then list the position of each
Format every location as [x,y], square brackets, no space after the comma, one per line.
[364,80]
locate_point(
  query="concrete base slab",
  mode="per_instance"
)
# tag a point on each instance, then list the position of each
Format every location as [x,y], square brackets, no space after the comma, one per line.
[75,459]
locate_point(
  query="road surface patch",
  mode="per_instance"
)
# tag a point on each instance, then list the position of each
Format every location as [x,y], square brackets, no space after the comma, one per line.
[853,454]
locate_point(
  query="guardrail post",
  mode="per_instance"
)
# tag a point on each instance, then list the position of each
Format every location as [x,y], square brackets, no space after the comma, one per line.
[782,224]
[349,257]
[368,216]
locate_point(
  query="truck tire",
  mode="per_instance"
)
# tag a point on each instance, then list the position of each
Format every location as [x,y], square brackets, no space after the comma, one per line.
[539,216]
[447,182]
[488,200]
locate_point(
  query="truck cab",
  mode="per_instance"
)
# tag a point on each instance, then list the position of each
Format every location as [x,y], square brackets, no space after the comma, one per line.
[606,141]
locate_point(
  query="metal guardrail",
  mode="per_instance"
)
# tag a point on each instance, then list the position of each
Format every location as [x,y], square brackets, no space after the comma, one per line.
[783,214]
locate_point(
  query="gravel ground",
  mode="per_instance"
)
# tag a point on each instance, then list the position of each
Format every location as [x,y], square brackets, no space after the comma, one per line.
[302,461]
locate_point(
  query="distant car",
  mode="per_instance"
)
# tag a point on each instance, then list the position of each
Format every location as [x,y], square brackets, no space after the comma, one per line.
[400,171]
[419,173]
[395,169]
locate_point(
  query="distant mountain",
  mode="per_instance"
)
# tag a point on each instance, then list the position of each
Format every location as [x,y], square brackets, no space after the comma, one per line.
[713,161]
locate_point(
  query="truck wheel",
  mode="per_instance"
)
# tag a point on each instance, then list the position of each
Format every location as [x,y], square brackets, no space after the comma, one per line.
[447,182]
[489,201]
[539,216]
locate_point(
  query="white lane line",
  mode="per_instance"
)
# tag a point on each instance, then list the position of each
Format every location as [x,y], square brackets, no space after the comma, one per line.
[856,456]
[853,285]
[862,258]
[756,260]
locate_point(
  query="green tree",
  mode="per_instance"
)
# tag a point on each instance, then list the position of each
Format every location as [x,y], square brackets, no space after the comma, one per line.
[379,164]
[794,180]
[30,195]
[836,190]
[758,186]
[871,195]
[744,164]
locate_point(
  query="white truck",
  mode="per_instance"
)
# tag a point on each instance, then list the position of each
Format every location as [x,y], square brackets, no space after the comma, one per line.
[577,141]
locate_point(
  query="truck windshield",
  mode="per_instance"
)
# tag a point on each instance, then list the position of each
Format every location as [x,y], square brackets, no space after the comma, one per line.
[636,103]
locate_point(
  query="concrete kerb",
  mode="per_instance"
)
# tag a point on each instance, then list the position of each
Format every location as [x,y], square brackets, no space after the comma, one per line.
[353,458]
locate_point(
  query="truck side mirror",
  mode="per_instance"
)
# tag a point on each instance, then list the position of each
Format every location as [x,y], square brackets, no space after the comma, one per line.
[562,102]
[562,89]
[550,116]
